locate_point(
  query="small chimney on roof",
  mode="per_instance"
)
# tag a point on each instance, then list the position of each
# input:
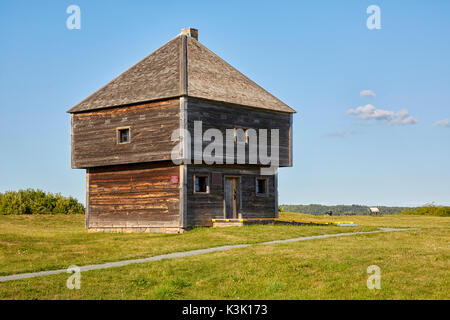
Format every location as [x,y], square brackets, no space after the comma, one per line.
[190,32]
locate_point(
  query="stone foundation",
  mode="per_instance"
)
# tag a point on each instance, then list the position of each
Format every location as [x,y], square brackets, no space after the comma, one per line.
[138,229]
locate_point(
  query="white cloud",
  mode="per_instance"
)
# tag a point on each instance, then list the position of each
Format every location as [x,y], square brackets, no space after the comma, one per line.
[367,93]
[369,112]
[442,123]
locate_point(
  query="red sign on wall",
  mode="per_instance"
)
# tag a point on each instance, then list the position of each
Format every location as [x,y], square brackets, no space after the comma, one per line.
[174,179]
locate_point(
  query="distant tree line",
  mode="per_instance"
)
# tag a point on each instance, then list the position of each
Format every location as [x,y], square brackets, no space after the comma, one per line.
[32,201]
[430,210]
[340,210]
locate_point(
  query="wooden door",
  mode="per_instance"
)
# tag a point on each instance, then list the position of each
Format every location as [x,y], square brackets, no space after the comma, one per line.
[231,198]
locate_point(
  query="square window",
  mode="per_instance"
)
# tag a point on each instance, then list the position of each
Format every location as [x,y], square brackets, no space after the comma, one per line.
[201,184]
[261,186]
[123,135]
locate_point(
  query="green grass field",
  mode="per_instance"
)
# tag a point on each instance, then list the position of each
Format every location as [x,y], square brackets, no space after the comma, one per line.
[414,264]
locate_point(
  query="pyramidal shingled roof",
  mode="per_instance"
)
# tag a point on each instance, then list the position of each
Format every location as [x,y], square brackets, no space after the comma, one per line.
[181,67]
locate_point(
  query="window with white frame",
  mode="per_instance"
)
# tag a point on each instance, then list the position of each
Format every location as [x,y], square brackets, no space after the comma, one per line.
[201,183]
[123,135]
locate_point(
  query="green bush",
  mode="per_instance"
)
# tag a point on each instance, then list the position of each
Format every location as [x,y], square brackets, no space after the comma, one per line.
[429,211]
[37,202]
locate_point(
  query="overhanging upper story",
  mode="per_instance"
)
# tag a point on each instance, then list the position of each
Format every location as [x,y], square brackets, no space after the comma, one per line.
[132,119]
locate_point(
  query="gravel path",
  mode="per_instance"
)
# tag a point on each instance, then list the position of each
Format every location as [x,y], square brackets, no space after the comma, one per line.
[185,254]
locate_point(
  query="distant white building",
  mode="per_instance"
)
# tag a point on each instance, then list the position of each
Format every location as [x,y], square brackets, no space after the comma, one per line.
[374,210]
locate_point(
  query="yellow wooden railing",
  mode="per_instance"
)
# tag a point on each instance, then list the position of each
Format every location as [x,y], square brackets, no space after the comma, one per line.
[285,220]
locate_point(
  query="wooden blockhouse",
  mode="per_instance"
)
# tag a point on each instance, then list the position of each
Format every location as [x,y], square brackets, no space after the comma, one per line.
[122,136]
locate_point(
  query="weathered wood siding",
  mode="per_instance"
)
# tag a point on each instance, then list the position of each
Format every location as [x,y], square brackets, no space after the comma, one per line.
[94,134]
[201,208]
[224,116]
[137,195]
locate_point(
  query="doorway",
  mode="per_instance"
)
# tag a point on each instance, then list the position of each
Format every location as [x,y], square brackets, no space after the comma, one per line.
[231,197]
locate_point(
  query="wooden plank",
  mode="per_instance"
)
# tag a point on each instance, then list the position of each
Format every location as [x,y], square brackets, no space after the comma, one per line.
[275,182]
[291,137]
[93,137]
[183,68]
[228,198]
[88,202]
[201,208]
[224,116]
[119,197]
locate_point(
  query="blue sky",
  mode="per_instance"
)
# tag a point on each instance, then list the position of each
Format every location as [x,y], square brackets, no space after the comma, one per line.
[317,56]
